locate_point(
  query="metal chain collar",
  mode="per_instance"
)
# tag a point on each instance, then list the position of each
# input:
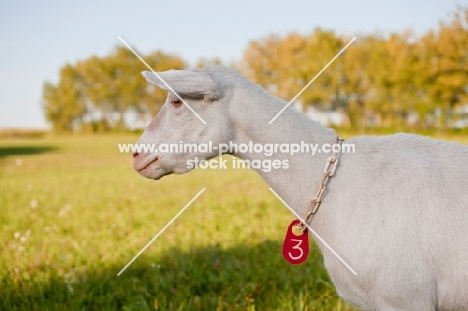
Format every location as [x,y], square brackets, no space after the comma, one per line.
[328,172]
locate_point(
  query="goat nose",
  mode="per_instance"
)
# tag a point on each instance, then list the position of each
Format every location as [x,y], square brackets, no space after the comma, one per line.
[135,154]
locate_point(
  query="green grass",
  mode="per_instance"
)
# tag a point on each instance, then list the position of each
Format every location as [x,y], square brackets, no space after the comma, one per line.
[73,213]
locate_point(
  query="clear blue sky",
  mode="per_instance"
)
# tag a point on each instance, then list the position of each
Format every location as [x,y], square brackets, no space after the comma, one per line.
[39,37]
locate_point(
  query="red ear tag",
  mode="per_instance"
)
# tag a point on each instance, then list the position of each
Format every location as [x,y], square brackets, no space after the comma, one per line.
[295,247]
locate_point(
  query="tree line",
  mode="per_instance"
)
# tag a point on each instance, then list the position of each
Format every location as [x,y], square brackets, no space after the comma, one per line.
[395,80]
[96,94]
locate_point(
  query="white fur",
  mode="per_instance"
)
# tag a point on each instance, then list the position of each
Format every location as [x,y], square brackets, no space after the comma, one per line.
[396,211]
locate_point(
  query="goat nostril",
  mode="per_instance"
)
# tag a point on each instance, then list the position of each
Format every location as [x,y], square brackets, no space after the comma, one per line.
[135,154]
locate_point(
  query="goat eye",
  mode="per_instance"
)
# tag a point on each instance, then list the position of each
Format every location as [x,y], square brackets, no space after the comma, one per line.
[176,102]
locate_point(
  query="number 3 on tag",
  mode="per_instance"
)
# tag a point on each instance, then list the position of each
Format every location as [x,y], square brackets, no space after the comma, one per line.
[296,247]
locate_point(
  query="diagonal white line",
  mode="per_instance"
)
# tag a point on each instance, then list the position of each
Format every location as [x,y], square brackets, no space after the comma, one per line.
[310,82]
[313,231]
[164,82]
[160,232]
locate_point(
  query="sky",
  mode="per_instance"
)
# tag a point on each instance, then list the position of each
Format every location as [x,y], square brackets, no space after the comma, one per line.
[38,37]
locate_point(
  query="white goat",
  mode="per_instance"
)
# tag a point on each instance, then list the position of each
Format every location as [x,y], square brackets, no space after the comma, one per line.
[396,210]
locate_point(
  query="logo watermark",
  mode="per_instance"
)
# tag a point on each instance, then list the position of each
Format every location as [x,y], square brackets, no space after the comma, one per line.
[267,150]
[265,165]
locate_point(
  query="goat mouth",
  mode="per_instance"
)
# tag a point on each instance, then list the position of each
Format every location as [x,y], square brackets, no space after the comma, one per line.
[147,165]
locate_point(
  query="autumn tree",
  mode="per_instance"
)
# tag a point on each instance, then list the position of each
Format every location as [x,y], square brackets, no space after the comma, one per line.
[450,86]
[284,65]
[392,80]
[65,103]
[100,91]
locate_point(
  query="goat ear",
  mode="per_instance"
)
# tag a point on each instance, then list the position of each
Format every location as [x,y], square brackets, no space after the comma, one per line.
[189,83]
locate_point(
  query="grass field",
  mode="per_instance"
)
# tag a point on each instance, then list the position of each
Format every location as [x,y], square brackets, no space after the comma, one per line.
[73,213]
